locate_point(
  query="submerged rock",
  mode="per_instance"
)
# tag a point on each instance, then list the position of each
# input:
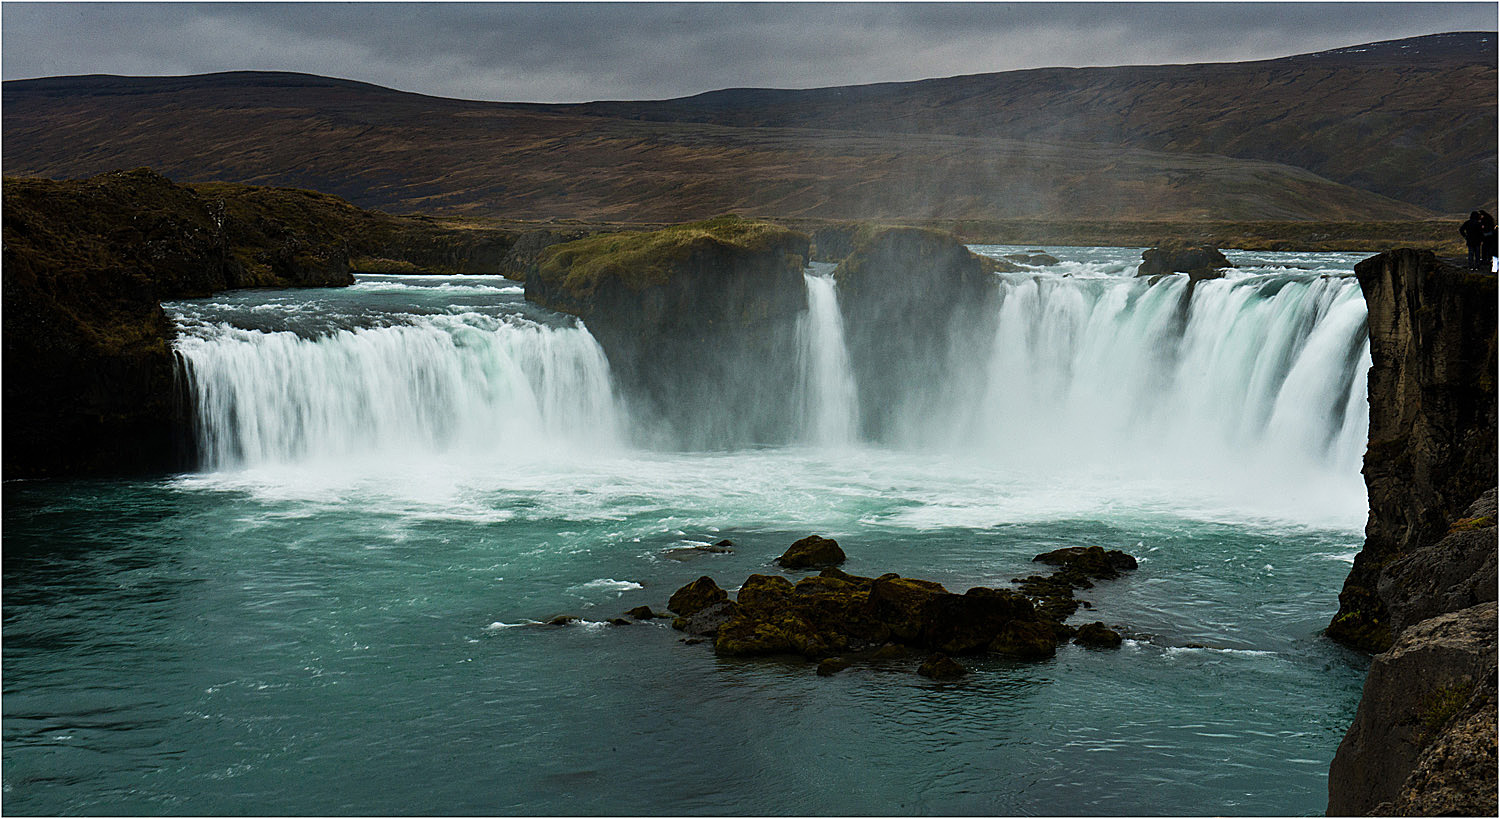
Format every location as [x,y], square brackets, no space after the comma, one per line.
[832,666]
[812,552]
[941,667]
[644,613]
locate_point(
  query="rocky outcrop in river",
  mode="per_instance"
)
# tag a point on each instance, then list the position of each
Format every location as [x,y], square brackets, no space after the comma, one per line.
[835,614]
[1423,589]
[685,314]
[916,304]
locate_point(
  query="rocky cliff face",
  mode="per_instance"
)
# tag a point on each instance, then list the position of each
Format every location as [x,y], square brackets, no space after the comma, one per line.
[1432,420]
[699,323]
[1423,589]
[89,380]
[915,304]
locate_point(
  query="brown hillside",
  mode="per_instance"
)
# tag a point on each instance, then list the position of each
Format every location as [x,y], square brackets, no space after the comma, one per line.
[1412,119]
[909,151]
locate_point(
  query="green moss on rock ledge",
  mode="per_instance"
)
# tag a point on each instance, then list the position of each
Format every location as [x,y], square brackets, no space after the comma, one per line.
[640,260]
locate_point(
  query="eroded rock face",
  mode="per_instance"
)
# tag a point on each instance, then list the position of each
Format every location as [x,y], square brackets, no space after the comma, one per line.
[1412,695]
[1455,774]
[916,304]
[1432,421]
[1456,572]
[685,315]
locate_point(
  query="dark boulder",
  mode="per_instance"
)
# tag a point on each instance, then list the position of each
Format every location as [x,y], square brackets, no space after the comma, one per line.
[969,623]
[643,613]
[707,621]
[1197,260]
[1026,640]
[1090,561]
[695,596]
[812,552]
[1098,635]
[1034,258]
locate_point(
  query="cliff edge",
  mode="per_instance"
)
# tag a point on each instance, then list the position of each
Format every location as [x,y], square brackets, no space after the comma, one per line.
[89,373]
[1423,589]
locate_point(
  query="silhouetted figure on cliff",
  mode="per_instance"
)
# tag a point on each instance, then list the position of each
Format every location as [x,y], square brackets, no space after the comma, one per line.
[1487,239]
[1473,233]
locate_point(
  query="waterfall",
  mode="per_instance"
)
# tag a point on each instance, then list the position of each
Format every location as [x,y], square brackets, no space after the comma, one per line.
[454,383]
[1255,379]
[829,400]
[1259,371]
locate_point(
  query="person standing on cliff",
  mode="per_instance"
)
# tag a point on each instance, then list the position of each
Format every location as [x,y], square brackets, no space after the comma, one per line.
[1473,233]
[1487,239]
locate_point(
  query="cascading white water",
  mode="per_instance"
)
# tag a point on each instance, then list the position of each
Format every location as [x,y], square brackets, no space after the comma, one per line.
[829,399]
[1258,373]
[463,383]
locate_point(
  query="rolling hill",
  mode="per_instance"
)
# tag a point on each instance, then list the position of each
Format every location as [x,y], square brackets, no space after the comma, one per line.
[1389,132]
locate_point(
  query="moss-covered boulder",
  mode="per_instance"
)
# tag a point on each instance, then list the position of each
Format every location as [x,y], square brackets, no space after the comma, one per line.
[696,321]
[812,552]
[901,603]
[696,596]
[968,623]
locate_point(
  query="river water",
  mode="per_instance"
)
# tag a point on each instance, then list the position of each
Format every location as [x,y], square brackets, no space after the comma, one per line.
[337,613]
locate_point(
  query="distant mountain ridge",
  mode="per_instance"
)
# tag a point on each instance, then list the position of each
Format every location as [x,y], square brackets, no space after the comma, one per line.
[1397,130]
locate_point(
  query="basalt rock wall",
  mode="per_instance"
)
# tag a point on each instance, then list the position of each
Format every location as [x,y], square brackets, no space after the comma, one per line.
[699,323]
[916,304]
[1432,420]
[1423,589]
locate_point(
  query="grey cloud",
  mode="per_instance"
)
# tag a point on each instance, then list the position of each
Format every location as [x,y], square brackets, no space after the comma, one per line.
[582,51]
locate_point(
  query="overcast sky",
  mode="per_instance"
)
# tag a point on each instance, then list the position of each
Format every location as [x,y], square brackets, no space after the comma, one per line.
[569,52]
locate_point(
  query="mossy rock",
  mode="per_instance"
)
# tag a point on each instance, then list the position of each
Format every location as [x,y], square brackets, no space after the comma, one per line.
[696,596]
[812,552]
[643,259]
